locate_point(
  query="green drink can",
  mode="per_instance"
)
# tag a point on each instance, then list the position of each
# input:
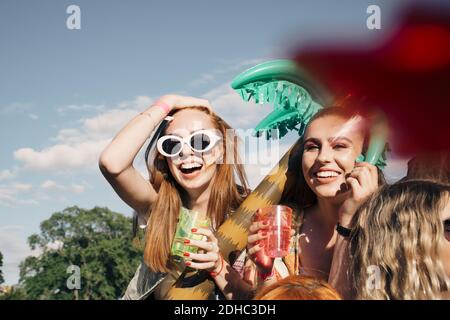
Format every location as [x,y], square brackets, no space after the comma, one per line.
[187,220]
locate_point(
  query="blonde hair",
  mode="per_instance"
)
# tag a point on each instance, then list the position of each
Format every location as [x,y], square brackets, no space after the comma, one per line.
[225,196]
[298,288]
[398,231]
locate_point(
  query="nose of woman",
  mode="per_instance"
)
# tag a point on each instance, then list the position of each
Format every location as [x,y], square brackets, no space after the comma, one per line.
[186,151]
[325,154]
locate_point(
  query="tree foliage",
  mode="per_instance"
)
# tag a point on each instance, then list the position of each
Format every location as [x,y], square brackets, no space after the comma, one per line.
[98,241]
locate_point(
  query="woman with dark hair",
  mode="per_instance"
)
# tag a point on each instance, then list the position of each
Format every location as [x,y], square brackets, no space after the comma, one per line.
[325,186]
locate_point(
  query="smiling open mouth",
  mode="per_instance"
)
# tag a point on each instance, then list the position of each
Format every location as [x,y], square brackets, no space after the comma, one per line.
[326,174]
[187,168]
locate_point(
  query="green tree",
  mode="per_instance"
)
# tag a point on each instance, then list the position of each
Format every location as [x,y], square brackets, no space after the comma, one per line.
[1,265]
[98,241]
[14,293]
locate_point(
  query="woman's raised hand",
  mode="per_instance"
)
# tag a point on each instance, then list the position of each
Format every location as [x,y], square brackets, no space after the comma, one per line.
[362,183]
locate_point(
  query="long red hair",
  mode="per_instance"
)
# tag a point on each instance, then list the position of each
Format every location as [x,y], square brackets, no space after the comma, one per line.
[226,195]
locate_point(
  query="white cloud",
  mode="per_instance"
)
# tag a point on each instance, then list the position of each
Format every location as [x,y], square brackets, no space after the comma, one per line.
[22,186]
[79,148]
[33,116]
[107,123]
[140,103]
[6,199]
[7,174]
[62,157]
[69,135]
[203,79]
[10,195]
[50,185]
[77,188]
[82,107]
[229,105]
[73,149]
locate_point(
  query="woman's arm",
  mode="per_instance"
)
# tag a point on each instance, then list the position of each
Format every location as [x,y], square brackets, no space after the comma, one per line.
[362,182]
[116,160]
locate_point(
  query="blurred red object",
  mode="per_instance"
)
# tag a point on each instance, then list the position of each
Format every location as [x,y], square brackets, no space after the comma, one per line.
[407,77]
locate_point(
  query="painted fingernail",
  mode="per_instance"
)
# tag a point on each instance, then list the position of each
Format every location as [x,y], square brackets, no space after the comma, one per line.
[193,230]
[187,241]
[265,223]
[261,245]
[187,263]
[186,254]
[264,234]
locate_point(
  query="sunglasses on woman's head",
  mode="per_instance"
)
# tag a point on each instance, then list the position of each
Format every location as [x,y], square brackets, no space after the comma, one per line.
[199,141]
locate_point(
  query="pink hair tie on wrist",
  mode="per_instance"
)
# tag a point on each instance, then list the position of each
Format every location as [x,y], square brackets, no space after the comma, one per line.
[163,106]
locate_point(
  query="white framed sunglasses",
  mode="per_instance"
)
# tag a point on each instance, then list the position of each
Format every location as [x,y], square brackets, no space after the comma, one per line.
[199,141]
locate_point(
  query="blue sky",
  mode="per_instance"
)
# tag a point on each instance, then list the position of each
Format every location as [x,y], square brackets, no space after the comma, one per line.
[65,93]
